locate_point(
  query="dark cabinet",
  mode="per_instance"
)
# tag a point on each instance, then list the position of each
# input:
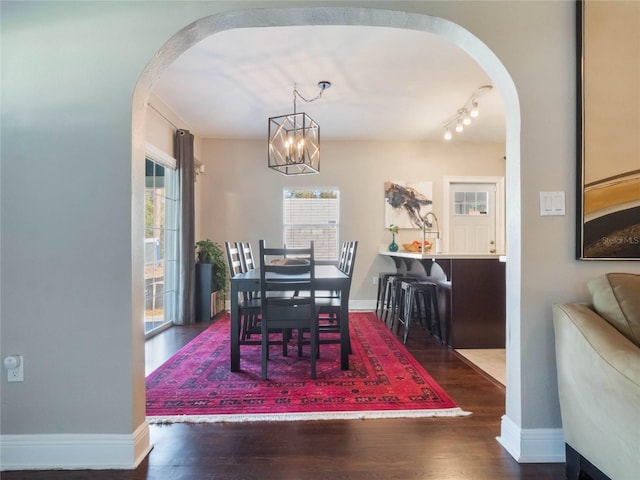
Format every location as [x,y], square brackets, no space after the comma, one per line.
[471,296]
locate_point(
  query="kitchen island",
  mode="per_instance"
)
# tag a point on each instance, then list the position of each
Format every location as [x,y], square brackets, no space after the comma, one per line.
[471,294]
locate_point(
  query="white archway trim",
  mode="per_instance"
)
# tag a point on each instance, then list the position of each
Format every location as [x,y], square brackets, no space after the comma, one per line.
[205,27]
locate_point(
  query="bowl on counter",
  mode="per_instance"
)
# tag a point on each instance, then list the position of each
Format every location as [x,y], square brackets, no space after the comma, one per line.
[414,247]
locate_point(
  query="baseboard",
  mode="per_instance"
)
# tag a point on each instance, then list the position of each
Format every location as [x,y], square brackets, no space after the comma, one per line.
[75,451]
[540,445]
[363,305]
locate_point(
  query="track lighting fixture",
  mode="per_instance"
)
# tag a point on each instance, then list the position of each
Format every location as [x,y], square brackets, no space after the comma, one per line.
[465,114]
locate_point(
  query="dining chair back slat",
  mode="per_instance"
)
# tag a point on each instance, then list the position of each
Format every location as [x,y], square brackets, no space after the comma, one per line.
[234,260]
[342,259]
[246,255]
[350,257]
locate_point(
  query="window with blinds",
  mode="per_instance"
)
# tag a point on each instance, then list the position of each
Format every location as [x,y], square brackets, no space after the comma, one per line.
[312,215]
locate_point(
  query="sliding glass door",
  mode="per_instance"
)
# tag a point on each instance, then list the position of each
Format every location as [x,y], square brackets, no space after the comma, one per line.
[161,220]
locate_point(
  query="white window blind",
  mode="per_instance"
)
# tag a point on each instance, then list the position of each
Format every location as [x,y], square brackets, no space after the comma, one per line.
[312,214]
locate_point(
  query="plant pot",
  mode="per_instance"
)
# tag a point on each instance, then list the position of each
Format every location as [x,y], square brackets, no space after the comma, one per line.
[204,287]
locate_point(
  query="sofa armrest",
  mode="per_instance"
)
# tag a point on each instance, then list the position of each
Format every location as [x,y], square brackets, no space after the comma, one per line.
[599,390]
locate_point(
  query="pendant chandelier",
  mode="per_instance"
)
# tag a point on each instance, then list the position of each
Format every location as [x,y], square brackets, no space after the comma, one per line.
[294,139]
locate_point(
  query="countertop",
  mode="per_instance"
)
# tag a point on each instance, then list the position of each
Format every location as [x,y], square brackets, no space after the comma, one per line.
[433,256]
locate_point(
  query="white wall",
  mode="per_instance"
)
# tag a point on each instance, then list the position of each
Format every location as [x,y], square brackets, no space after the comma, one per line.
[71,263]
[242,197]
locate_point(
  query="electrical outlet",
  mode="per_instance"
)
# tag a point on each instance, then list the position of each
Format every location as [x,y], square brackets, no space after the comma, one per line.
[375,280]
[16,374]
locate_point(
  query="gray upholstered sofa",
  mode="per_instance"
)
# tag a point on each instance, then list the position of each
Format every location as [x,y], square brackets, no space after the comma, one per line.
[598,360]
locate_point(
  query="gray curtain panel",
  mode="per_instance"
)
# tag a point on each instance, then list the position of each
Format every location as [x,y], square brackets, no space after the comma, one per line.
[186,235]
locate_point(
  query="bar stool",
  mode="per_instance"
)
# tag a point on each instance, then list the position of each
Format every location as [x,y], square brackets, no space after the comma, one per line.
[383,277]
[410,296]
[393,302]
[390,305]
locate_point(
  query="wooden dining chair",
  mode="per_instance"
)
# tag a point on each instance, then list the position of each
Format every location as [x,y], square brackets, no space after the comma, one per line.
[288,299]
[248,304]
[330,307]
[343,260]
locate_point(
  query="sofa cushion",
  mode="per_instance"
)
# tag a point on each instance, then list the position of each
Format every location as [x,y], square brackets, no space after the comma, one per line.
[616,298]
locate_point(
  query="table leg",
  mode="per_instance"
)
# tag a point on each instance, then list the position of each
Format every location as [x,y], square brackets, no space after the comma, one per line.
[345,341]
[235,329]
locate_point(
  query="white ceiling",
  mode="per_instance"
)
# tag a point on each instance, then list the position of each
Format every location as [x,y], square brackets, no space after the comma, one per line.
[387,83]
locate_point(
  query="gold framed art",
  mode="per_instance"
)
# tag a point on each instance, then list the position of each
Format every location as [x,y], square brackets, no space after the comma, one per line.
[608,190]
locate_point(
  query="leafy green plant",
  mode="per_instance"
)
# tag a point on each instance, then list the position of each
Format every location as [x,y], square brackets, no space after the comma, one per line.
[208,251]
[394,229]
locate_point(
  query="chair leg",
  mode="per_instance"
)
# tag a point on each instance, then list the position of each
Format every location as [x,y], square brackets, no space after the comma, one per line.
[286,335]
[379,303]
[300,339]
[265,350]
[394,325]
[408,313]
[394,299]
[435,314]
[313,340]
[388,301]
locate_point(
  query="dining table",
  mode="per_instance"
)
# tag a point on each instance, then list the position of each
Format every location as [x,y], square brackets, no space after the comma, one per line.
[327,277]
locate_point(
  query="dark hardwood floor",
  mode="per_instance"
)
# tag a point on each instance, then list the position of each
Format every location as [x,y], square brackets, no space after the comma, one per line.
[461,448]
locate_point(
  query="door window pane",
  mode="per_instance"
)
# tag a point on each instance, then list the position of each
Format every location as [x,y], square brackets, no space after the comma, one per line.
[471,203]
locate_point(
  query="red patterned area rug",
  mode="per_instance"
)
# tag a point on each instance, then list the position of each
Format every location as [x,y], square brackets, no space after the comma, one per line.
[383,381]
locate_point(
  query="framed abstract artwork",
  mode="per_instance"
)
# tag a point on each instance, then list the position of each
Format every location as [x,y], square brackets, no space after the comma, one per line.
[608,180]
[406,203]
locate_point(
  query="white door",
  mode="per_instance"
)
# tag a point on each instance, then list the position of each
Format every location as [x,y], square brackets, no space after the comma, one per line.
[472,218]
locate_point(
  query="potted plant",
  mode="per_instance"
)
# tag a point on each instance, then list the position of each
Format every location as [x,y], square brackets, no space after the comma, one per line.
[208,251]
[211,276]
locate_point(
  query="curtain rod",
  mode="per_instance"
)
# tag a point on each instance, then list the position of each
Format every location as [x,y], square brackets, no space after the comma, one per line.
[161,115]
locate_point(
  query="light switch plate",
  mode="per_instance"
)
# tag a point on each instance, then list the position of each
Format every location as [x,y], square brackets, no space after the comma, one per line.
[552,203]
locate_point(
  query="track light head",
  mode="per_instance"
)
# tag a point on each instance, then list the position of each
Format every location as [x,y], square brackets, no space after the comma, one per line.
[474,109]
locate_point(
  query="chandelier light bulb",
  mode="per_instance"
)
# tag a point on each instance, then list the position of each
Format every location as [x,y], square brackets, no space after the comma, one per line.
[447,134]
[459,126]
[466,120]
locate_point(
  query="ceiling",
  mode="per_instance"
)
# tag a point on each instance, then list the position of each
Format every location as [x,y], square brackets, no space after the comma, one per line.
[387,83]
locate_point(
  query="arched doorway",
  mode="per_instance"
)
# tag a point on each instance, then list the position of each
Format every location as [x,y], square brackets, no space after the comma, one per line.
[450,31]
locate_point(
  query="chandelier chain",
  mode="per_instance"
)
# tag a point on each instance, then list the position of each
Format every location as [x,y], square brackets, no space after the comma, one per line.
[321,85]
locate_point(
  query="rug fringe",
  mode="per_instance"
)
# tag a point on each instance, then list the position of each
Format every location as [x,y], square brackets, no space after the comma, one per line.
[303,416]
